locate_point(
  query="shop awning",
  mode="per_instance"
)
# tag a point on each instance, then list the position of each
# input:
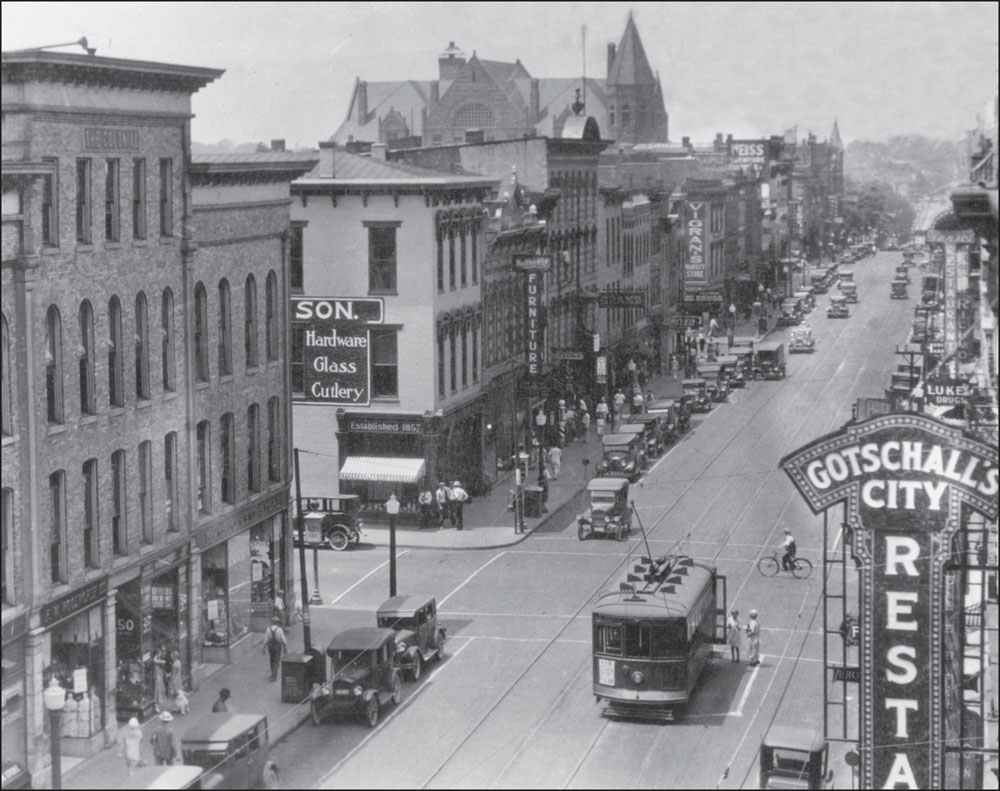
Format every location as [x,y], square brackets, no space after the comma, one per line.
[385,469]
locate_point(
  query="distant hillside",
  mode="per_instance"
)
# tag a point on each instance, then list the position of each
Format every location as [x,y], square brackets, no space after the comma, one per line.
[912,164]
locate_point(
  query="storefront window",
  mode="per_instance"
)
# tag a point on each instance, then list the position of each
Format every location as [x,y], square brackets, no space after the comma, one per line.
[76,660]
[262,570]
[15,750]
[226,591]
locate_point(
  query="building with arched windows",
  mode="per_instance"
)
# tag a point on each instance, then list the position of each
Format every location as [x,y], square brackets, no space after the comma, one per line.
[145,488]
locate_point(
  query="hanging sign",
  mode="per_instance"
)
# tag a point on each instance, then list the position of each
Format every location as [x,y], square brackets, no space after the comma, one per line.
[534,288]
[904,479]
[694,268]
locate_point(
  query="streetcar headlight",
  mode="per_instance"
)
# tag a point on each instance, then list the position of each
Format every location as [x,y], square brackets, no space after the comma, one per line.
[357,690]
[637,677]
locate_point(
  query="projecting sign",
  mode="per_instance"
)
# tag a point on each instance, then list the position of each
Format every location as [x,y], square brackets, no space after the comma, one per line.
[747,152]
[905,478]
[532,263]
[694,267]
[336,348]
[947,392]
[534,288]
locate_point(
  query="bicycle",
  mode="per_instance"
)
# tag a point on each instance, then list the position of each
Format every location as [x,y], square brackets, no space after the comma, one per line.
[770,565]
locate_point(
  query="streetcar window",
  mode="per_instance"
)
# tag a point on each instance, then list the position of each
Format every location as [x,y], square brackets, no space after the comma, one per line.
[638,640]
[608,639]
[670,639]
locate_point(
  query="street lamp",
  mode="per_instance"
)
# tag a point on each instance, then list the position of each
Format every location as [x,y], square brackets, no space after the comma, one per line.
[54,698]
[788,280]
[632,371]
[392,508]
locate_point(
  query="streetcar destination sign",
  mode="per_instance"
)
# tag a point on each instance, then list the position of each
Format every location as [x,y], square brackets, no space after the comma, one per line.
[904,478]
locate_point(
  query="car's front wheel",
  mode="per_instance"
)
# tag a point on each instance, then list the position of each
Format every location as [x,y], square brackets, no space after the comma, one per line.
[338,540]
[582,531]
[372,711]
[397,690]
[418,667]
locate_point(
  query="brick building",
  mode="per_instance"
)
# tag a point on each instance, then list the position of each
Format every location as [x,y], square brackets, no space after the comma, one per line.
[116,440]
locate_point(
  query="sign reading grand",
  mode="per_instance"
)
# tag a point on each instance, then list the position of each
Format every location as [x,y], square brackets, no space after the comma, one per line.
[335,347]
[904,478]
[694,268]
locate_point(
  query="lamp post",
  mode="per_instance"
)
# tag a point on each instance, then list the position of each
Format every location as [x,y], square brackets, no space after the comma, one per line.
[392,508]
[54,698]
[632,371]
[788,280]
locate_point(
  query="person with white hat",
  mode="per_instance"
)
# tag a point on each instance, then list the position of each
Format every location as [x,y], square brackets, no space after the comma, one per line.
[753,634]
[131,745]
[166,745]
[734,634]
[458,497]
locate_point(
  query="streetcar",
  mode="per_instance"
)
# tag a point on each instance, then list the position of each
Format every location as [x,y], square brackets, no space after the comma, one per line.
[653,636]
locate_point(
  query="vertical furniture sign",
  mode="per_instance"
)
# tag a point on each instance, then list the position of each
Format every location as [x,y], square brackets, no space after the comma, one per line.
[694,267]
[534,268]
[904,479]
[336,349]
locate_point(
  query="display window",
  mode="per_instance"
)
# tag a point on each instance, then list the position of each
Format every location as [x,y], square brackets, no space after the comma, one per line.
[263,568]
[76,660]
[226,591]
[15,748]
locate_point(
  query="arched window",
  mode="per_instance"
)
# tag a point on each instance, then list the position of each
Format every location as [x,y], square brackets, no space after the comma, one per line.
[274,440]
[116,381]
[250,321]
[141,347]
[53,365]
[57,538]
[5,405]
[225,330]
[200,333]
[227,446]
[626,115]
[88,400]
[271,316]
[473,115]
[253,448]
[167,340]
[119,504]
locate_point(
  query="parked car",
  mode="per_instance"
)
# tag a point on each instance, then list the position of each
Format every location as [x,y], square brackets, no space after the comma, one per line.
[902,273]
[717,385]
[163,776]
[331,521]
[419,637]
[232,749]
[794,758]
[802,340]
[850,292]
[676,419]
[731,368]
[653,425]
[363,676]
[838,308]
[624,456]
[695,395]
[898,290]
[791,312]
[770,360]
[608,511]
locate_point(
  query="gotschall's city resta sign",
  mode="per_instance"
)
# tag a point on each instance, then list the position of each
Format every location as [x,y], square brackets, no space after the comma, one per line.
[904,478]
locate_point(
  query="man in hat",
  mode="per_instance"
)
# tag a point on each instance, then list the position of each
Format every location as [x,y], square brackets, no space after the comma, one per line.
[275,645]
[220,704]
[458,497]
[790,550]
[166,745]
[442,497]
[734,634]
[753,636]
[279,605]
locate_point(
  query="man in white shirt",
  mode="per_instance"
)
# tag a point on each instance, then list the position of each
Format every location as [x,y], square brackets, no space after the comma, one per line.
[459,497]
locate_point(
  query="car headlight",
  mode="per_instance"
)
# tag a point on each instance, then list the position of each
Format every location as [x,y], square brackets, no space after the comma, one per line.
[637,677]
[400,647]
[357,690]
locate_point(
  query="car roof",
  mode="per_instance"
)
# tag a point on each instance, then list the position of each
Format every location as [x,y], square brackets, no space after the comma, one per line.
[631,428]
[404,605]
[644,419]
[727,359]
[662,403]
[606,484]
[618,439]
[769,346]
[687,382]
[220,727]
[360,638]
[174,776]
[792,738]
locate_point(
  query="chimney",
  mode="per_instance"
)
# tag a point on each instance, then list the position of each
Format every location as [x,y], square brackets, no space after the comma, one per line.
[535,103]
[327,168]
[435,92]
[450,62]
[686,142]
[362,102]
[378,151]
[278,145]
[611,58]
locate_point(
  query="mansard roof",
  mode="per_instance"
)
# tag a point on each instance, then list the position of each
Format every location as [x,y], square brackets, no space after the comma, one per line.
[630,66]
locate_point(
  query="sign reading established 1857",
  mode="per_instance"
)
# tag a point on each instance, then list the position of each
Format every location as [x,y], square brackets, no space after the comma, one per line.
[904,478]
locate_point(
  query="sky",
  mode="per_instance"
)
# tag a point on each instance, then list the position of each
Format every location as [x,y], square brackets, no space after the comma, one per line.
[746,69]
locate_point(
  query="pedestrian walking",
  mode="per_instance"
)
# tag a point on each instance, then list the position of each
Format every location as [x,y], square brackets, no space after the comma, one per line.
[279,606]
[570,424]
[602,410]
[160,670]
[426,502]
[441,497]
[619,403]
[734,635]
[601,423]
[221,703]
[555,460]
[166,745]
[674,366]
[713,327]
[131,746]
[458,497]
[585,423]
[637,400]
[275,646]
[753,635]
[701,342]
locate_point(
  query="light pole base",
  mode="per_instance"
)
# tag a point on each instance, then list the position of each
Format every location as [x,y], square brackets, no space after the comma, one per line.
[315,598]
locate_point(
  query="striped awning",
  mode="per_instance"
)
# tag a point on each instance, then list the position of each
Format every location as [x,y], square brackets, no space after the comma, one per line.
[385,469]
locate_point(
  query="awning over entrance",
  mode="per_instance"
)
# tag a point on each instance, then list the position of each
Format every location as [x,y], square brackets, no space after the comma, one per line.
[385,469]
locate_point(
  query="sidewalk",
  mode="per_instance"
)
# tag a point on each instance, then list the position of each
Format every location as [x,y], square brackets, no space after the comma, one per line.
[488,525]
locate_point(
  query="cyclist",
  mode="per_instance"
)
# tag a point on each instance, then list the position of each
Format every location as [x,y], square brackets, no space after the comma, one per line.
[788,546]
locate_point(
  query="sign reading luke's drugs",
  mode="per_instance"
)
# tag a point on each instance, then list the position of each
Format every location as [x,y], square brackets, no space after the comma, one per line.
[904,478]
[336,348]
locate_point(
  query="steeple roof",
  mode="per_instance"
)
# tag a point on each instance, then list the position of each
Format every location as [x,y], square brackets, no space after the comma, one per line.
[630,66]
[835,136]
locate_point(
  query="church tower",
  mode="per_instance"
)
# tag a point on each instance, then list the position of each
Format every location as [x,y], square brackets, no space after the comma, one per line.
[636,113]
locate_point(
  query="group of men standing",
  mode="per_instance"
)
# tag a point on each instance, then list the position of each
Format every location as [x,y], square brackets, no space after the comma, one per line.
[445,502]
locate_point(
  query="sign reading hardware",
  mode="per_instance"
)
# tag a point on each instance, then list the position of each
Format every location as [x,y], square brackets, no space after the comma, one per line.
[621,299]
[336,348]
[905,479]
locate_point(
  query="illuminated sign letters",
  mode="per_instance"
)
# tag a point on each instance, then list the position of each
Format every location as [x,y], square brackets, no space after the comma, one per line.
[904,478]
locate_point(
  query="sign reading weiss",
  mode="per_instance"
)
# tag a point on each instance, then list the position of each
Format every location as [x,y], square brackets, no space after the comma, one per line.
[905,478]
[336,353]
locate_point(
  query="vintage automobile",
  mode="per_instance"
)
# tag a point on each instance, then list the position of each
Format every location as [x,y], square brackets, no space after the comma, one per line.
[163,776]
[744,365]
[791,312]
[902,273]
[838,308]
[608,512]
[653,425]
[802,340]
[639,430]
[844,276]
[850,293]
[805,298]
[232,749]
[624,457]
[419,637]
[363,676]
[731,367]
[695,395]
[820,282]
[331,521]
[794,758]
[770,360]
[676,419]
[717,384]
[898,290]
